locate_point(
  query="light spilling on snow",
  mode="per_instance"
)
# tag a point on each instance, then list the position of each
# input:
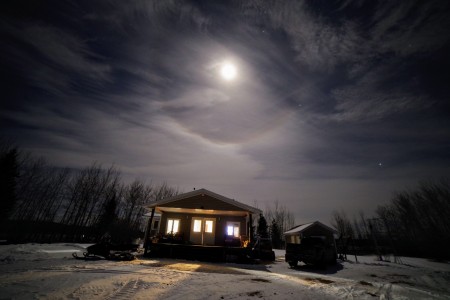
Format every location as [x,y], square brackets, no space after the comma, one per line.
[49,271]
[61,251]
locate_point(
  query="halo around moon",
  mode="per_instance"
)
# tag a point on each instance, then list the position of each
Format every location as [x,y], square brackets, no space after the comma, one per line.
[228,71]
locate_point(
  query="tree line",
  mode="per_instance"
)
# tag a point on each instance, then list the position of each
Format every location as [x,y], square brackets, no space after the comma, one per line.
[272,224]
[414,222]
[40,202]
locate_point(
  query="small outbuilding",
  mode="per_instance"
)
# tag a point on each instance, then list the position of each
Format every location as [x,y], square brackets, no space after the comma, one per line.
[295,234]
[311,243]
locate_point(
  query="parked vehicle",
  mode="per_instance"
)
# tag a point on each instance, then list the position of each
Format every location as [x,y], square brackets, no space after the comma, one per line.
[312,250]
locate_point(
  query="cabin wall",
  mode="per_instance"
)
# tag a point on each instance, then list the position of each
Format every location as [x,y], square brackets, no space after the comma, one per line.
[220,225]
[185,223]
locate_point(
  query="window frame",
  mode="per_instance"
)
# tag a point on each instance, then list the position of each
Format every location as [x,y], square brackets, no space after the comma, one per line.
[155,224]
[210,228]
[197,229]
[173,225]
[234,225]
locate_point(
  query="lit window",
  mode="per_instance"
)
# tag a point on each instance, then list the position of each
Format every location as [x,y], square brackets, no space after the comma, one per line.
[176,224]
[169,225]
[233,229]
[293,239]
[230,230]
[172,226]
[209,226]
[197,225]
[236,231]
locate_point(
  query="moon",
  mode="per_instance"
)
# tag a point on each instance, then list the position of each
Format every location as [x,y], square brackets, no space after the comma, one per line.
[228,71]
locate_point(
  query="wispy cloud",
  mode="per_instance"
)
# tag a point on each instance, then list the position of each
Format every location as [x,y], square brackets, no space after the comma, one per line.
[364,103]
[389,37]
[410,27]
[52,59]
[323,93]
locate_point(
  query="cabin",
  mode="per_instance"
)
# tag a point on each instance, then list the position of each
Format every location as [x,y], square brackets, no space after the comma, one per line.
[198,223]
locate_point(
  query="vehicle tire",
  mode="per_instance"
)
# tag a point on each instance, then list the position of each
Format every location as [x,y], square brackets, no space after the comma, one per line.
[124,256]
[333,260]
[293,264]
[322,263]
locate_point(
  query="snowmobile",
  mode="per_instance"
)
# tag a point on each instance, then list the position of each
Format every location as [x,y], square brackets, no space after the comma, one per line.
[110,251]
[262,249]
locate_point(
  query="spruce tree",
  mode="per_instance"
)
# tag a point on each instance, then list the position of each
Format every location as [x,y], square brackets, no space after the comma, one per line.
[262,230]
[108,217]
[275,235]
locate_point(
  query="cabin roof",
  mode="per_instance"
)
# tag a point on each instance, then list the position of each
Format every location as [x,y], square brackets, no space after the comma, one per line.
[202,191]
[303,227]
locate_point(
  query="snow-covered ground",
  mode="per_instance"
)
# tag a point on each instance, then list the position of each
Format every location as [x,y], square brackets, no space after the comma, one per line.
[48,271]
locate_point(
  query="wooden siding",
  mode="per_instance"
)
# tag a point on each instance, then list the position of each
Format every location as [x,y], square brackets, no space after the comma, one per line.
[220,228]
[317,230]
[203,202]
[185,223]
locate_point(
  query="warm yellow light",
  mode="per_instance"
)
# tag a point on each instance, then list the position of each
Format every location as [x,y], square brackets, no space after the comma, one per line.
[209,226]
[197,225]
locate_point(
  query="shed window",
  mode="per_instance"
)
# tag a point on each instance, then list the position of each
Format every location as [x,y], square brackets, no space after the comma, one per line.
[173,226]
[293,239]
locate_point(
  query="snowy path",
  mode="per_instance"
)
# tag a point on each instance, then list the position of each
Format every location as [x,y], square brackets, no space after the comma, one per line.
[48,271]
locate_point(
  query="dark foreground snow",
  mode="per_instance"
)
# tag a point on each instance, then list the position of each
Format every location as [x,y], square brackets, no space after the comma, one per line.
[48,271]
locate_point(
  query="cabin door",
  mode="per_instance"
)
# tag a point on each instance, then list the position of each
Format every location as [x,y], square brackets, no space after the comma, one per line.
[202,231]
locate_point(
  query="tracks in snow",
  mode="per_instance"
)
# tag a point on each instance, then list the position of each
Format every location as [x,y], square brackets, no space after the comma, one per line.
[128,290]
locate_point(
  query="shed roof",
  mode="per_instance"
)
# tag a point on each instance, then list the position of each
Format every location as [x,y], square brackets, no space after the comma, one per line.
[202,191]
[301,228]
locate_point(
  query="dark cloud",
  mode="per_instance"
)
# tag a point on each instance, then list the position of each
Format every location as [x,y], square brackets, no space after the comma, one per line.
[335,104]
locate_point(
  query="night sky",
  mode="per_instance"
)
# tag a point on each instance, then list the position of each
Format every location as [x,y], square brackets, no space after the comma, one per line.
[333,104]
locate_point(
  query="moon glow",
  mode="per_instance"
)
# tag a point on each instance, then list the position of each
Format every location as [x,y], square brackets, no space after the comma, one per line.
[228,71]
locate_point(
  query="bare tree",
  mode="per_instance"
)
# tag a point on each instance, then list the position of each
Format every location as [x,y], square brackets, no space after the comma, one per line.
[364,226]
[163,191]
[278,214]
[89,190]
[131,208]
[342,223]
[51,203]
[8,180]
[419,218]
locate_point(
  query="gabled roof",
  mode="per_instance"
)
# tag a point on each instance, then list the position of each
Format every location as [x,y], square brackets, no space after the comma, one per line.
[301,228]
[203,192]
